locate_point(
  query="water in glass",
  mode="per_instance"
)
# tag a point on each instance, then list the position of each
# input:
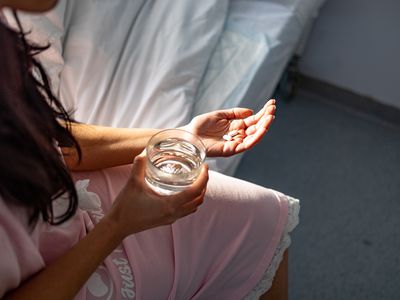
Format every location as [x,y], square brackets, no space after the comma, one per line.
[173,165]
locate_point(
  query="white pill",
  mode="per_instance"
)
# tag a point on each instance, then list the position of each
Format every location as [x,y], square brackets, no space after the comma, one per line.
[227,137]
[232,133]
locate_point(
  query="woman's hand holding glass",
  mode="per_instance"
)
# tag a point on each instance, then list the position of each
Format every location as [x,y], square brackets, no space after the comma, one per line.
[138,208]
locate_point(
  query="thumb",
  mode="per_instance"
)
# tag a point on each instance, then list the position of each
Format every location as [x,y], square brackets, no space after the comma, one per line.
[238,113]
[139,165]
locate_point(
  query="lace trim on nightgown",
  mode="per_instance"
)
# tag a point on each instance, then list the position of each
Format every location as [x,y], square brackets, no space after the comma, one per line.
[266,281]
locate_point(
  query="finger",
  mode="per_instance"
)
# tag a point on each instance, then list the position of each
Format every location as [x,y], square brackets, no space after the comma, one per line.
[270,110]
[199,184]
[251,140]
[266,108]
[231,146]
[263,122]
[241,147]
[251,120]
[267,123]
[256,135]
[271,102]
[195,203]
[191,207]
[260,113]
[237,113]
[263,110]
[188,208]
[193,191]
[252,128]
[141,154]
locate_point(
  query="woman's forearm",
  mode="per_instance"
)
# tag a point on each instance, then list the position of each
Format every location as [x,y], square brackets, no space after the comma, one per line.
[104,147]
[63,278]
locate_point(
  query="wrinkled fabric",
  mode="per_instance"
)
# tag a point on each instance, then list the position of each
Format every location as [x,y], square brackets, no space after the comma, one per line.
[128,63]
[220,252]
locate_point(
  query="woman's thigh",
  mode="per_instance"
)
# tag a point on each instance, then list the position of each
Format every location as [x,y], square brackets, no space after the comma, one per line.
[219,252]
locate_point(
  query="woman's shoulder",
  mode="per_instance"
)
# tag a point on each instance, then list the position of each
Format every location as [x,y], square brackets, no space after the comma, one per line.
[20,257]
[15,226]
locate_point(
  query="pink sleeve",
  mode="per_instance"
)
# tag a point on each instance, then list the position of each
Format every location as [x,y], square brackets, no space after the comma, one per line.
[19,257]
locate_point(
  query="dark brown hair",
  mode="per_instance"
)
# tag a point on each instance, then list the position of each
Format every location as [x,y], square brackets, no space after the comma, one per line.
[32,173]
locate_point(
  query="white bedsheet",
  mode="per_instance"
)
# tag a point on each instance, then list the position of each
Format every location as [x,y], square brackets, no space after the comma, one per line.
[129,63]
[138,63]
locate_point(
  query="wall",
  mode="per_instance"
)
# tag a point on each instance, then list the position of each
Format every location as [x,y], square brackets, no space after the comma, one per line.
[355,44]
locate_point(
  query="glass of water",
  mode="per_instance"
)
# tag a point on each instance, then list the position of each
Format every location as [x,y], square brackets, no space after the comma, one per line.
[174,160]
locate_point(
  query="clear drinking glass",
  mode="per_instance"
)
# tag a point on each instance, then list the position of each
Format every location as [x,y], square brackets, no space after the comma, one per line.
[174,160]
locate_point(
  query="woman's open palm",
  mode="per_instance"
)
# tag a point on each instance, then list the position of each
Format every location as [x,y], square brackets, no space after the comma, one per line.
[231,131]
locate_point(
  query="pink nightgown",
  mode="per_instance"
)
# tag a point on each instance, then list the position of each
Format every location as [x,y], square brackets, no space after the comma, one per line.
[229,249]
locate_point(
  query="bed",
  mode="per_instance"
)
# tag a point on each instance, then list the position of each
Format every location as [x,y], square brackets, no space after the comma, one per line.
[156,63]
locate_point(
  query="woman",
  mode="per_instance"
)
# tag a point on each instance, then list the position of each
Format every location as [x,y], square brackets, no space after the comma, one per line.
[113,238]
